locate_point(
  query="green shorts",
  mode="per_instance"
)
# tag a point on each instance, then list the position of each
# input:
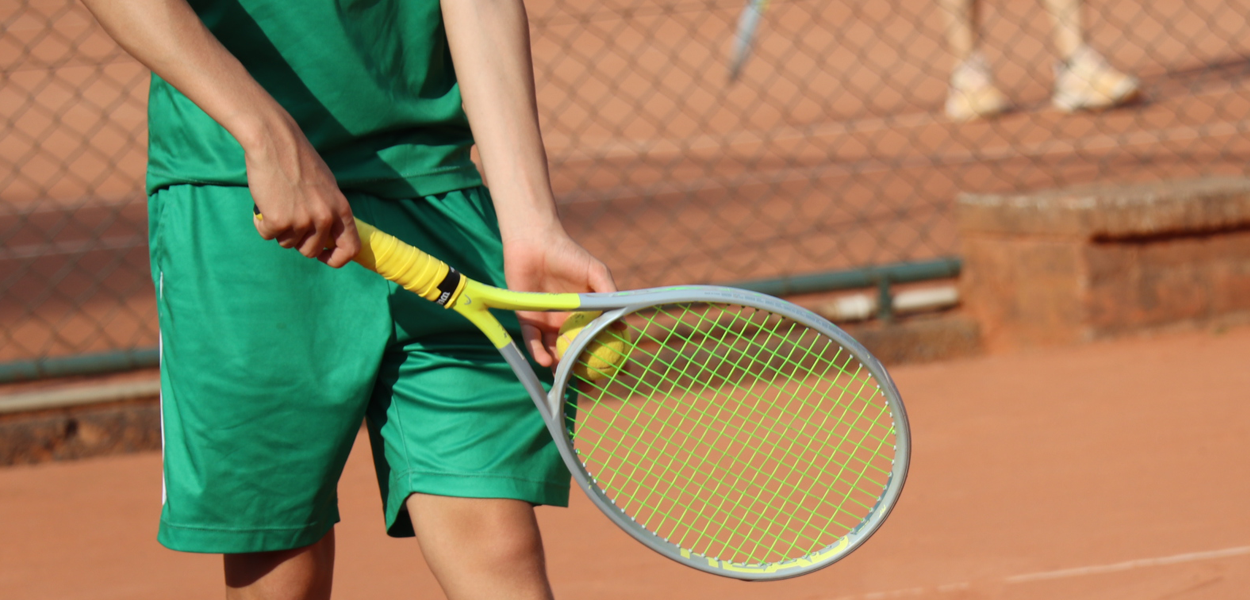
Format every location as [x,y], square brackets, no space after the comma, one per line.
[269,362]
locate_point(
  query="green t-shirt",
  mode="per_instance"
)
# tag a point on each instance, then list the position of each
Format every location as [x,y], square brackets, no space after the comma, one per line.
[370,82]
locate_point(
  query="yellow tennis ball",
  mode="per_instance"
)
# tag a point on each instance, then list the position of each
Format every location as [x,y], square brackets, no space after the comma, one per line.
[603,356]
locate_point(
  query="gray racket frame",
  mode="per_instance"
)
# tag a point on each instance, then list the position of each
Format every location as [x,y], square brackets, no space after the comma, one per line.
[616,306]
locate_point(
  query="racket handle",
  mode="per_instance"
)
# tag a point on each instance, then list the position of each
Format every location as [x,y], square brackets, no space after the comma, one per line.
[403,263]
[408,266]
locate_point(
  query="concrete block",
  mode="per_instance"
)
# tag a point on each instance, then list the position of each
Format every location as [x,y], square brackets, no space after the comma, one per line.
[1085,263]
[80,432]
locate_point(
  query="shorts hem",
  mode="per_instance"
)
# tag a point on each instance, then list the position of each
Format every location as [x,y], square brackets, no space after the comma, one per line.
[466,485]
[215,540]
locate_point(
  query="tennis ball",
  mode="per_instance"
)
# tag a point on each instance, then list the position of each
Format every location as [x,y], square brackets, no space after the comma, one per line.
[601,357]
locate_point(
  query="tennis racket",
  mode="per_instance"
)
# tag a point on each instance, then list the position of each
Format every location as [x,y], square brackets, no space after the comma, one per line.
[744,37]
[737,434]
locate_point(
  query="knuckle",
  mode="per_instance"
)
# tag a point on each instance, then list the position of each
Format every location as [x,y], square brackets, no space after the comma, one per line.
[310,248]
[350,244]
[322,219]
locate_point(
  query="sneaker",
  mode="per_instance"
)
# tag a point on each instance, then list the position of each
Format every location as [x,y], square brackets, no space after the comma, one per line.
[972,94]
[1086,82]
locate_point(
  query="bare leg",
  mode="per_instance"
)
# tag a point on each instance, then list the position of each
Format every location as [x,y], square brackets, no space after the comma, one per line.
[1084,80]
[961,27]
[481,548]
[1066,15]
[301,574]
[972,94]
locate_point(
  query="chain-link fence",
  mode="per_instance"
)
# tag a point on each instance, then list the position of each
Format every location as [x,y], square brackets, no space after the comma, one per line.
[844,139]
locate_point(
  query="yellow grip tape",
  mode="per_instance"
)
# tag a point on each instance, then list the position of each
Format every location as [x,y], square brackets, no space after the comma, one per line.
[404,264]
[408,266]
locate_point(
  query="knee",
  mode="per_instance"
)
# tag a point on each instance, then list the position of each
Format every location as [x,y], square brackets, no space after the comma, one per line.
[481,548]
[499,531]
[300,570]
[502,537]
[509,541]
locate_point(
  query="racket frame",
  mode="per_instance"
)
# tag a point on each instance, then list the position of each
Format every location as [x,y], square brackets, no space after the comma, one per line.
[617,305]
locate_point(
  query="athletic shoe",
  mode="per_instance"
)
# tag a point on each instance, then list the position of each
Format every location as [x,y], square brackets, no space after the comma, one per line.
[1086,82]
[972,94]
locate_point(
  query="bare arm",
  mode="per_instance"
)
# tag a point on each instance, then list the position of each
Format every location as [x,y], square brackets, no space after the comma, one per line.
[491,50]
[294,189]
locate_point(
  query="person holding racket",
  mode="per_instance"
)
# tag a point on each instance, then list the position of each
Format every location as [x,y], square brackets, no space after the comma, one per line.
[316,112]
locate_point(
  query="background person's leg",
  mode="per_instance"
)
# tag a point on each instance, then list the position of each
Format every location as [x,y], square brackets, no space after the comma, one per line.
[1084,80]
[1066,15]
[481,548]
[961,27]
[972,93]
[300,574]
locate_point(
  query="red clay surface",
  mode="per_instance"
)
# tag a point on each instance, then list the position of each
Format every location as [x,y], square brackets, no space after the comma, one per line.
[1036,475]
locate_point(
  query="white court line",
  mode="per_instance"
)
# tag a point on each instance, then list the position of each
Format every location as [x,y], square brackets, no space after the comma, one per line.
[1130,565]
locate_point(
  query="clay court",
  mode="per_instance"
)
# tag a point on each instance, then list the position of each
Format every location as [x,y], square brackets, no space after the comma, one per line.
[1110,470]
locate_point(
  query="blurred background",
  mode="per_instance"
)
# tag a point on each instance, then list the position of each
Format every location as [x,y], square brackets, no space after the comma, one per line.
[831,151]
[831,160]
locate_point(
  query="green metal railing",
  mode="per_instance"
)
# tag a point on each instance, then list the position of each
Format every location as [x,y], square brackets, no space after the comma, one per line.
[880,277]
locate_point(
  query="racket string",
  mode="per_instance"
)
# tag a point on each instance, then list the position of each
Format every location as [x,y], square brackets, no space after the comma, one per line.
[842,467]
[605,388]
[772,448]
[736,458]
[612,424]
[809,349]
[753,466]
[689,390]
[653,491]
[747,488]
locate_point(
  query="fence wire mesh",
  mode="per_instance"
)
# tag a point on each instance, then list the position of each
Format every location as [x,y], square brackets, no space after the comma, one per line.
[842,142]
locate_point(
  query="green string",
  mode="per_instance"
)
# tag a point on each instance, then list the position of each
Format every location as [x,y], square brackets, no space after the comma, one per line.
[808,349]
[670,375]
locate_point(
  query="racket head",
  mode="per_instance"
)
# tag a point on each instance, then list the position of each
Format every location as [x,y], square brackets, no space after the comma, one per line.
[744,436]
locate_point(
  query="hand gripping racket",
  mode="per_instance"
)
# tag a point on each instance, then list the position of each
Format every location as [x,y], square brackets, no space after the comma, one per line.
[741,435]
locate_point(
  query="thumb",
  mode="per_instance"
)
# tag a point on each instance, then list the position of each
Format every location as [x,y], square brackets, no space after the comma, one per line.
[533,338]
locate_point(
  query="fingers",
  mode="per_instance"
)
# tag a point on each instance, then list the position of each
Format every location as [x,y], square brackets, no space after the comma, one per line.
[262,227]
[320,228]
[290,226]
[345,243]
[549,342]
[540,330]
[600,279]
[536,344]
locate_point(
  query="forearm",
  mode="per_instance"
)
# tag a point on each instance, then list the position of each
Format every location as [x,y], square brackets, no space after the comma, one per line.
[292,186]
[490,46]
[168,37]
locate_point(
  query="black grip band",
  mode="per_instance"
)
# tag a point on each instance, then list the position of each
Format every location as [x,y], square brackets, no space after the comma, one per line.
[447,287]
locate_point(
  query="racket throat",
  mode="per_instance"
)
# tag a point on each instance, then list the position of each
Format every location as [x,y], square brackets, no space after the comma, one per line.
[546,404]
